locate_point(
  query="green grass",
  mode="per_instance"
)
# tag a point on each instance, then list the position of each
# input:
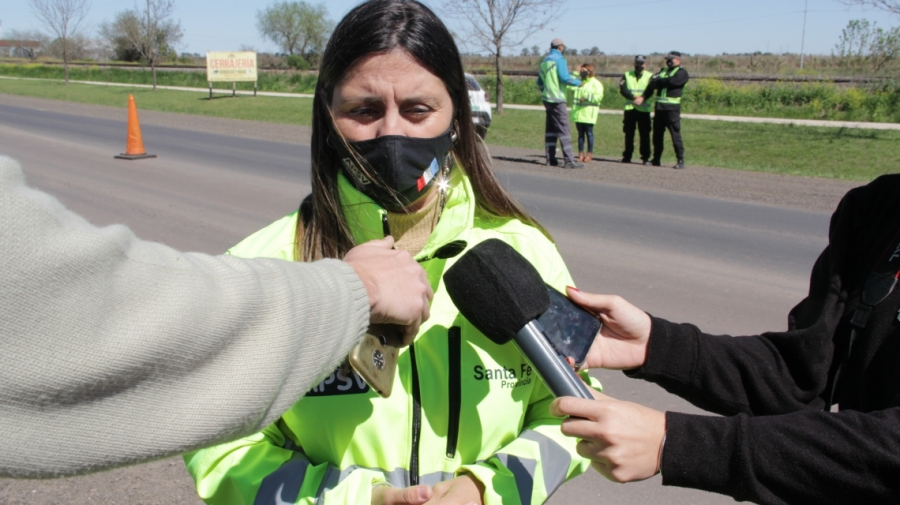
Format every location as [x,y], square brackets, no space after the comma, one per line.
[839,153]
[880,103]
[260,108]
[286,81]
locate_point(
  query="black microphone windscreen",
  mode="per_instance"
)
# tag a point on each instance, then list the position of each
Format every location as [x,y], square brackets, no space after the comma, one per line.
[496,289]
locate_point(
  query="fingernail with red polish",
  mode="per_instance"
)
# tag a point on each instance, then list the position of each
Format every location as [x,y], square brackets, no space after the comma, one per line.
[573,288]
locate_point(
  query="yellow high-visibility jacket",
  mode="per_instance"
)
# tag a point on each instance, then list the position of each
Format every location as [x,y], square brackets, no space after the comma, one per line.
[460,403]
[586,101]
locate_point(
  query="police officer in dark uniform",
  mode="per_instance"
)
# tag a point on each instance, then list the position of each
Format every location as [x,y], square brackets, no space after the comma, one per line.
[668,85]
[631,87]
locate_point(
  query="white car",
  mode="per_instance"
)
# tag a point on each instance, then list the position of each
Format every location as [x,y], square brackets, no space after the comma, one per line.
[481,106]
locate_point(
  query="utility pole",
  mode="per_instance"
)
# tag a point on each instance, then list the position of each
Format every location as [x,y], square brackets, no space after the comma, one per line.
[803,36]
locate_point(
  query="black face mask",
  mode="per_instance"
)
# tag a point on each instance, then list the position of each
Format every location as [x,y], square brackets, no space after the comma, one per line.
[407,166]
[584,75]
[670,63]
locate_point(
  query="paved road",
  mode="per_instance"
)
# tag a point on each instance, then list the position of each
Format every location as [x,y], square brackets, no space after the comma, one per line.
[728,266]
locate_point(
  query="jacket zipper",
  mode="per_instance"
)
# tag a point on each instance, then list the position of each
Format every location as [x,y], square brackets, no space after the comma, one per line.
[454,343]
[417,420]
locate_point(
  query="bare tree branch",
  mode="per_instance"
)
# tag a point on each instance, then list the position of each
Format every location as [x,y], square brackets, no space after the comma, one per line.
[63,18]
[892,6]
[495,25]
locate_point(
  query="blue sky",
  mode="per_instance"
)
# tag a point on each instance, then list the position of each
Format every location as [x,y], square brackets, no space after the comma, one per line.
[615,26]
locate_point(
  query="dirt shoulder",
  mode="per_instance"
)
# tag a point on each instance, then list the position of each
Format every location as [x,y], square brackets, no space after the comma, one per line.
[814,194]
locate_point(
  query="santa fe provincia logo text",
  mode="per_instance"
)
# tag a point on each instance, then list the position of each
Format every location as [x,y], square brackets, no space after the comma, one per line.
[508,377]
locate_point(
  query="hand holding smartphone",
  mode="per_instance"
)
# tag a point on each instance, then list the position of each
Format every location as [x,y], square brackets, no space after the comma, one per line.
[570,329]
[375,357]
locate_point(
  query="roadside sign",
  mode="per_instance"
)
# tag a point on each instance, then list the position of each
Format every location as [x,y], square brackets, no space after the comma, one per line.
[231,67]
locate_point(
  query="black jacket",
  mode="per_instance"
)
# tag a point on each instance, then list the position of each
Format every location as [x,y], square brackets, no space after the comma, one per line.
[673,85]
[779,445]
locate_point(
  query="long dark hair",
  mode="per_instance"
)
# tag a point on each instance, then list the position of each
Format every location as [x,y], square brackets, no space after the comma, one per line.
[377,27]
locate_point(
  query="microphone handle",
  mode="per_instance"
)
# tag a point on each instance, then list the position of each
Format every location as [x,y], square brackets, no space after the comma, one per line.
[559,377]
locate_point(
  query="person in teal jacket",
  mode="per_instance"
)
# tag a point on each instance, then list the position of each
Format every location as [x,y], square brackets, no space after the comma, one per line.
[553,77]
[394,151]
[585,109]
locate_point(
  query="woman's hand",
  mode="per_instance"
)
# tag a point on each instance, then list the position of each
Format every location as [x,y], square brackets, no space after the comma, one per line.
[413,495]
[462,490]
[622,342]
[623,440]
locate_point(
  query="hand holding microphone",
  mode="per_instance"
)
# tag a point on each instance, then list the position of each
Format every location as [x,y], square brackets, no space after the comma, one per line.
[503,296]
[623,440]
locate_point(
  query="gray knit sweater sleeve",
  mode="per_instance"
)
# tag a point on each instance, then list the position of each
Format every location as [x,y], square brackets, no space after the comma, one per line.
[115,351]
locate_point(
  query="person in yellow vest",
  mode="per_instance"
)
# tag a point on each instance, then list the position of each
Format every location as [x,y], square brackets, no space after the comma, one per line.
[585,109]
[394,152]
[631,87]
[668,84]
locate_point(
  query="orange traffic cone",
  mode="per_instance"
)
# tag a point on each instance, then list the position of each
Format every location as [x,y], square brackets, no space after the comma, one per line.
[134,147]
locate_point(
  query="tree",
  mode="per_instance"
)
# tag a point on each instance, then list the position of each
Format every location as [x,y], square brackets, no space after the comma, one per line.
[63,18]
[498,24]
[885,48]
[75,47]
[158,34]
[864,46]
[885,5]
[121,33]
[535,51]
[146,31]
[297,27]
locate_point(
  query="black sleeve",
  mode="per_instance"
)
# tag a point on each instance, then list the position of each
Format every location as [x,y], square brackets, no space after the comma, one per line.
[624,91]
[803,457]
[771,373]
[780,445]
[787,371]
[676,81]
[679,79]
[651,88]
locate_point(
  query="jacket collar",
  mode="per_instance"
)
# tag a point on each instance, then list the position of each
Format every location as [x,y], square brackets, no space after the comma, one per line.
[364,216]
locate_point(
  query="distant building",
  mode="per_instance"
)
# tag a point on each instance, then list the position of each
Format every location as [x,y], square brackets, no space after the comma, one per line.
[19,48]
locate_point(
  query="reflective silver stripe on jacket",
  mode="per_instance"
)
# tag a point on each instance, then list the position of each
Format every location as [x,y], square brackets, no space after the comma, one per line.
[555,461]
[283,485]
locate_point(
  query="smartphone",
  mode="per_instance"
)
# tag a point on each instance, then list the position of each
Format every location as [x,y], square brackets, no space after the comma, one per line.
[375,357]
[569,328]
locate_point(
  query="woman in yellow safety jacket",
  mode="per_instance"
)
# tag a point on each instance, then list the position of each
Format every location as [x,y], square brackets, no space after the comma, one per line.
[394,151]
[585,109]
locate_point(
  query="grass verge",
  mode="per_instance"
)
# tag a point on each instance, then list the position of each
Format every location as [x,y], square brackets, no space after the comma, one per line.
[878,102]
[852,154]
[835,153]
[260,108]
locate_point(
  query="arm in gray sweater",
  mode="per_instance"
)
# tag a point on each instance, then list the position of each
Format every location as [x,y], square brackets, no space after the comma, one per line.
[115,351]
